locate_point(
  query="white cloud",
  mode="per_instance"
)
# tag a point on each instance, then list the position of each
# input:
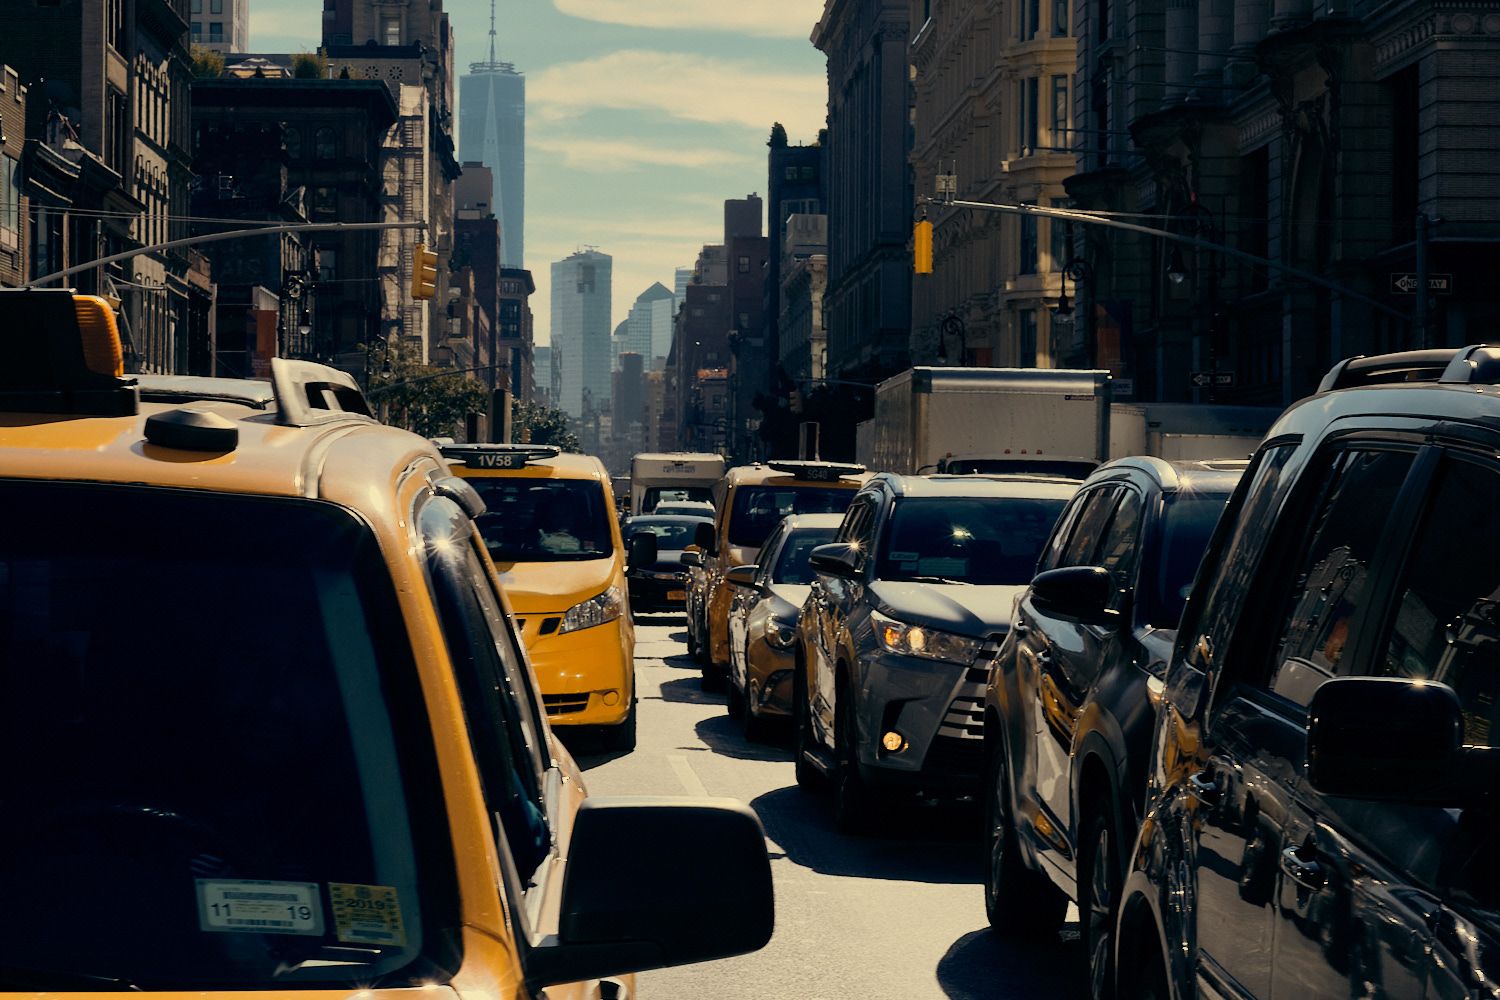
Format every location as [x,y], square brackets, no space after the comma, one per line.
[767,18]
[614,154]
[687,87]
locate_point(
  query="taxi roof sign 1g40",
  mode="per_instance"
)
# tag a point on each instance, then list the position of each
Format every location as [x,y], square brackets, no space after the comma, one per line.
[818,472]
[498,456]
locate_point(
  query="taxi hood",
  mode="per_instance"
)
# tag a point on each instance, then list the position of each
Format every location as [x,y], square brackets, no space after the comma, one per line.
[547,587]
[964,609]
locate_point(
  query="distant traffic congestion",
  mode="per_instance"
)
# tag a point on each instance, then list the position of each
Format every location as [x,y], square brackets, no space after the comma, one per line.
[1210,696]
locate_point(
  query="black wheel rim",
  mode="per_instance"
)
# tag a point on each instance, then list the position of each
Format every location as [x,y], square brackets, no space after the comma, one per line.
[997,839]
[1100,914]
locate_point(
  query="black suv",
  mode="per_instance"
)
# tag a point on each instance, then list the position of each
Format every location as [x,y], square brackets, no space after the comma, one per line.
[896,636]
[1069,712]
[1322,816]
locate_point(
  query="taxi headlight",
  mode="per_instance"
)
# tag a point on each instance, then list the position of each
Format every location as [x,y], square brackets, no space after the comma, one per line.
[781,634]
[919,640]
[595,611]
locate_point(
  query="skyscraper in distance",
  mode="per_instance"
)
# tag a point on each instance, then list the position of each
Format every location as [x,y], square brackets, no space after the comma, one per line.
[582,353]
[492,131]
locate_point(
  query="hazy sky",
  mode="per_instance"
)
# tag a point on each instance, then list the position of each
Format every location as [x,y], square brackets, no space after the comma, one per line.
[643,116]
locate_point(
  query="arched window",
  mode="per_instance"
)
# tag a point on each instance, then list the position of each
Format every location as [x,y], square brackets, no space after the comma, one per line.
[292,139]
[326,143]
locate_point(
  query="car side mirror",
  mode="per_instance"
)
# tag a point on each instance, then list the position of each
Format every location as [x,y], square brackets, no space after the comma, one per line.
[697,888]
[644,550]
[841,559]
[1392,739]
[706,539]
[691,558]
[742,576]
[1082,593]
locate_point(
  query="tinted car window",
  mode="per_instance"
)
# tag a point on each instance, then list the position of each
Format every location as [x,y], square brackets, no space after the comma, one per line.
[1446,625]
[791,565]
[1332,582]
[670,535]
[758,509]
[1121,546]
[1088,530]
[1187,522]
[981,540]
[212,744]
[544,520]
[675,494]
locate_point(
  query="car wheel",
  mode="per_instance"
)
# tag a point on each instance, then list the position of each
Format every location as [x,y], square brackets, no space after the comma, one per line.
[853,800]
[808,776]
[754,725]
[1098,903]
[1143,973]
[1017,900]
[734,698]
[623,736]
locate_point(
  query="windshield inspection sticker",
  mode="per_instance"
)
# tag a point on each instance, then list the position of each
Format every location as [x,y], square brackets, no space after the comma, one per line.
[366,914]
[244,906]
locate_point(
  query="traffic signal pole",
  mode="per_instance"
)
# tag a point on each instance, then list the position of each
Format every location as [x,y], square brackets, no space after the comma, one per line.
[233,234]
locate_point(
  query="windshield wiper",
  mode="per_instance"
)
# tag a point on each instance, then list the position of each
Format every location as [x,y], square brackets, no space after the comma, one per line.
[13,979]
[932,579]
[333,956]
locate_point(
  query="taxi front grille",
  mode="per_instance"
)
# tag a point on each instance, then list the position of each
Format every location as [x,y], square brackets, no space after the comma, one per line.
[548,626]
[565,704]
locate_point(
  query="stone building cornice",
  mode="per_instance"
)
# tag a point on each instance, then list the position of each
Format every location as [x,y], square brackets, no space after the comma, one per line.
[1408,30]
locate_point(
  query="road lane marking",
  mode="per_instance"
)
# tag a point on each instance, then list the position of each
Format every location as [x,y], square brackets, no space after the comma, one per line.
[687,776]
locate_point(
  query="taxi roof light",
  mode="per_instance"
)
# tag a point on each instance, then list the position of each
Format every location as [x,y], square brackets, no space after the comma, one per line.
[496,456]
[818,472]
[99,336]
[62,355]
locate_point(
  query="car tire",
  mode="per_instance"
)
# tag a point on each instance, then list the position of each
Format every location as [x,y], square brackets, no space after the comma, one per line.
[1143,973]
[734,699]
[1099,902]
[809,777]
[853,800]
[622,738]
[1017,900]
[712,678]
[754,725]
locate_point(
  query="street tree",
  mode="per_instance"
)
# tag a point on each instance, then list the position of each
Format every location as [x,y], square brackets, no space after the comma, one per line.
[422,398]
[535,424]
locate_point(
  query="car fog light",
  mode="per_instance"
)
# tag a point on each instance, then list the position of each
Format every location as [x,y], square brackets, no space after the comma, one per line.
[893,741]
[611,698]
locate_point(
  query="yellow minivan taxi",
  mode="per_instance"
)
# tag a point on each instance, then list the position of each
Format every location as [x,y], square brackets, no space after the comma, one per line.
[266,721]
[552,531]
[750,501]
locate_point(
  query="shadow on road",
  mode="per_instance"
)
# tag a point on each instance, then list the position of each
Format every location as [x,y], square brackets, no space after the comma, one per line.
[687,691]
[911,842]
[982,964]
[682,661]
[723,735]
[586,750]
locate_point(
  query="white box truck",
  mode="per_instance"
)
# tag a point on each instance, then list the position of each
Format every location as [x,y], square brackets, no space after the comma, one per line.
[992,420]
[1188,431]
[677,475]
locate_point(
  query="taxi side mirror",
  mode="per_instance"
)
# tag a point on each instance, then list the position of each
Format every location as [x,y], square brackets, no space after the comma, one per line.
[643,550]
[697,888]
[706,539]
[691,558]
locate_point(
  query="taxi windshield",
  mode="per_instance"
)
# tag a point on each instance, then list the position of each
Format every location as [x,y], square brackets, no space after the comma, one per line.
[758,509]
[983,540]
[792,565]
[217,771]
[544,520]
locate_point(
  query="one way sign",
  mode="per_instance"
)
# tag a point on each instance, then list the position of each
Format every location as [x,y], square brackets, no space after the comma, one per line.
[1405,283]
[1212,380]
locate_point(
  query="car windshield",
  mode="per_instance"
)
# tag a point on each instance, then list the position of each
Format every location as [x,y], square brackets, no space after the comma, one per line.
[657,495]
[217,769]
[981,540]
[673,534]
[1068,468]
[1186,524]
[758,509]
[544,520]
[792,565]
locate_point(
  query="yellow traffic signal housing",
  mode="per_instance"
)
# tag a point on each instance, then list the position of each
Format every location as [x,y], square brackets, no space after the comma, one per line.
[921,245]
[424,273]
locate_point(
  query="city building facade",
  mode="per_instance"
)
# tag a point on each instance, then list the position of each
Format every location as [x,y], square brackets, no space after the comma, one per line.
[582,285]
[751,364]
[517,331]
[804,281]
[648,329]
[794,187]
[869,192]
[220,25]
[700,344]
[15,205]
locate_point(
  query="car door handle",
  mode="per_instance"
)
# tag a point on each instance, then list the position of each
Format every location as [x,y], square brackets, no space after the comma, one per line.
[1308,874]
[1203,787]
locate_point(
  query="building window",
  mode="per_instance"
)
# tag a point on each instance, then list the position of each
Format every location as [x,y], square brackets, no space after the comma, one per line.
[1061,236]
[328,264]
[325,143]
[292,140]
[1060,18]
[744,265]
[215,31]
[1026,259]
[1026,337]
[392,30]
[10,204]
[1061,135]
[216,6]
[197,7]
[1104,27]
[1028,91]
[325,203]
[1030,13]
[197,31]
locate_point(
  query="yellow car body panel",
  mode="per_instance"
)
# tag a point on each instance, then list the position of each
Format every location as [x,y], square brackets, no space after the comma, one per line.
[588,676]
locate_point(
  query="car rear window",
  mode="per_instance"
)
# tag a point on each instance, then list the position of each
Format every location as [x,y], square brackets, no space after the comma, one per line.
[758,509]
[544,520]
[216,767]
[792,564]
[982,540]
[673,535]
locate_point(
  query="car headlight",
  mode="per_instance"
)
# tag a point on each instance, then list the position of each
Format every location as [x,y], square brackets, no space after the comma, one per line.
[599,610]
[781,634]
[919,640]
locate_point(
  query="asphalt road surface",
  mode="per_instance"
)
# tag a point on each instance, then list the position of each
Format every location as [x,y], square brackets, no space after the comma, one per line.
[898,916]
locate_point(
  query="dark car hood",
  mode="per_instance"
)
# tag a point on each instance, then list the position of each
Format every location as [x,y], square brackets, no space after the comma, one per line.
[953,607]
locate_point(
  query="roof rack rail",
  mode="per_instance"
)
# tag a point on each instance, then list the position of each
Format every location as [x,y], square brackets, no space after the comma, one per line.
[496,456]
[308,394]
[1385,369]
[1476,365]
[254,393]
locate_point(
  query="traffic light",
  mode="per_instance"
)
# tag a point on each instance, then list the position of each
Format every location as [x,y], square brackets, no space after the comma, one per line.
[424,273]
[921,245]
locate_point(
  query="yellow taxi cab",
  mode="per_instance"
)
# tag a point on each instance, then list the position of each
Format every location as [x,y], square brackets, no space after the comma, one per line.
[266,724]
[552,531]
[750,501]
